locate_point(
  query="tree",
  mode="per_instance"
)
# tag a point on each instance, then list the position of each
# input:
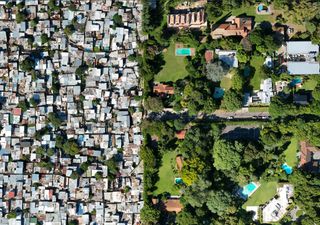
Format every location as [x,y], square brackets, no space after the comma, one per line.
[54,119]
[226,155]
[74,175]
[196,194]
[71,147]
[316,93]
[73,222]
[214,11]
[34,102]
[149,214]
[44,38]
[216,71]
[98,175]
[23,105]
[27,65]
[192,168]
[72,7]
[153,104]
[237,81]
[12,215]
[220,202]
[40,151]
[185,217]
[232,100]
[21,16]
[117,20]
[69,30]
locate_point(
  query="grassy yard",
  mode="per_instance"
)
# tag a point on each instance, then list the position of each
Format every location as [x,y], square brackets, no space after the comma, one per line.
[251,11]
[291,152]
[226,83]
[310,85]
[256,62]
[167,175]
[174,69]
[265,192]
[259,109]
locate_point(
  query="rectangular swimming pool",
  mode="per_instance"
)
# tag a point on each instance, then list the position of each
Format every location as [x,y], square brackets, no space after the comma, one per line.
[248,190]
[183,51]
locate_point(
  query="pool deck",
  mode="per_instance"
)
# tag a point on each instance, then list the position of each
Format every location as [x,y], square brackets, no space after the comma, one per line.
[180,45]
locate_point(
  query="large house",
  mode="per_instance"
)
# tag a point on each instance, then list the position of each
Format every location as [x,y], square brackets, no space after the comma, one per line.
[233,26]
[302,58]
[190,18]
[309,157]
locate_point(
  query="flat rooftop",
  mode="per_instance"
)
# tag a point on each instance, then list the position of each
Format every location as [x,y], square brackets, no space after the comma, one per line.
[303,68]
[301,47]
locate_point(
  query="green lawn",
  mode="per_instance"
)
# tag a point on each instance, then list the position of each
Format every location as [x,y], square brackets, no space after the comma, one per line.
[265,192]
[174,69]
[291,152]
[310,85]
[251,11]
[226,83]
[258,109]
[167,175]
[256,62]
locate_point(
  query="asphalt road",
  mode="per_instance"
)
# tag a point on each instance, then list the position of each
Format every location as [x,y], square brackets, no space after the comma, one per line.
[217,116]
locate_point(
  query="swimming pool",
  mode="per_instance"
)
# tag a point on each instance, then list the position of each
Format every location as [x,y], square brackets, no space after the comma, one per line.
[178,180]
[248,190]
[287,169]
[218,93]
[295,82]
[183,51]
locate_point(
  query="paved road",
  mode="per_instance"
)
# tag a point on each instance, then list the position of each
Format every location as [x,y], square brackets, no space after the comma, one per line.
[217,116]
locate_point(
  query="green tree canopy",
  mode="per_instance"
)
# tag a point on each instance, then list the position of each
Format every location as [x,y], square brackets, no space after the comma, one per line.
[226,155]
[232,100]
[71,147]
[153,104]
[216,71]
[220,202]
[149,214]
[27,65]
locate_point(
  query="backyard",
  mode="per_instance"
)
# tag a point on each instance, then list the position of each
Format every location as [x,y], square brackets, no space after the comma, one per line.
[174,68]
[257,63]
[291,153]
[167,175]
[251,11]
[265,192]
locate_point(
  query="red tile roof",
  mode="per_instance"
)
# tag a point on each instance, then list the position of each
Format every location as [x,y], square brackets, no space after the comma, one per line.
[173,205]
[16,111]
[208,55]
[181,134]
[163,89]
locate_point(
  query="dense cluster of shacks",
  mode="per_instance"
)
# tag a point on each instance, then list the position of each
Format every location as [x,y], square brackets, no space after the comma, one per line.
[104,125]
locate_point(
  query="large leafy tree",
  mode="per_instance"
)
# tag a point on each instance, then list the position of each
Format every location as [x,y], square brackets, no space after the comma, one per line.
[220,202]
[232,100]
[216,71]
[149,214]
[226,155]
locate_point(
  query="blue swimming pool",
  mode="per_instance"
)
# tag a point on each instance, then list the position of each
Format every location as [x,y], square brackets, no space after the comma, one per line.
[247,190]
[295,82]
[183,51]
[287,169]
[178,180]
[218,93]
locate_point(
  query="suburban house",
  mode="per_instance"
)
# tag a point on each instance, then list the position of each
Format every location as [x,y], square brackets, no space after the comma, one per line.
[301,58]
[264,95]
[163,89]
[187,18]
[233,26]
[228,57]
[309,157]
[276,208]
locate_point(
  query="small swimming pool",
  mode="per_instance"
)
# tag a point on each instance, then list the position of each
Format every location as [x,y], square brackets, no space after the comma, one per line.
[295,82]
[287,169]
[218,93]
[178,180]
[248,190]
[183,51]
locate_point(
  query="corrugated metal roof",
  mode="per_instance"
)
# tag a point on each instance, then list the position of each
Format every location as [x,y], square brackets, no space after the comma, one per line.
[301,47]
[303,68]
